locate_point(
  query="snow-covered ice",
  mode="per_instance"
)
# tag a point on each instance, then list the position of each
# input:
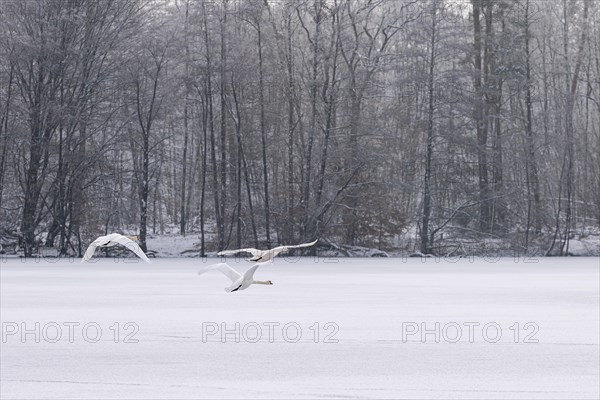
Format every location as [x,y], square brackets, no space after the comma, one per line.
[368,313]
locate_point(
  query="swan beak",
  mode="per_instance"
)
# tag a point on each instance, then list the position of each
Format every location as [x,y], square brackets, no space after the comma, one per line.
[270,283]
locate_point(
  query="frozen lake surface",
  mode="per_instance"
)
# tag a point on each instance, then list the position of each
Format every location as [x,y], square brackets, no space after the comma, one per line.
[346,328]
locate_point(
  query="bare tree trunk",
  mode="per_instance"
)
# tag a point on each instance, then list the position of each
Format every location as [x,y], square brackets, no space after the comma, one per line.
[203,175]
[4,117]
[291,127]
[237,119]
[497,204]
[223,85]
[530,160]
[213,155]
[426,244]
[155,193]
[263,136]
[182,211]
[480,121]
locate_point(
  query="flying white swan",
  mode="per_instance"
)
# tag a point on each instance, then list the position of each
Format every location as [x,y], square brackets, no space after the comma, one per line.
[238,281]
[111,240]
[262,256]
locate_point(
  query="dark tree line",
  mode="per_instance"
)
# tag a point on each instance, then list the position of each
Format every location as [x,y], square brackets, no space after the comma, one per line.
[424,125]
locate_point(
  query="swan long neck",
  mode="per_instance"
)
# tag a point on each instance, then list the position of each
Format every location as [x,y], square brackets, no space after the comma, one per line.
[262,282]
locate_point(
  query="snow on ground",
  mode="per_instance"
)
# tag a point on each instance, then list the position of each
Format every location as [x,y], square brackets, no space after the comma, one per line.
[174,245]
[370,315]
[585,246]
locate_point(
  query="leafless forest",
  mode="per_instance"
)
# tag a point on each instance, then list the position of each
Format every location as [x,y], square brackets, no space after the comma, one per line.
[428,126]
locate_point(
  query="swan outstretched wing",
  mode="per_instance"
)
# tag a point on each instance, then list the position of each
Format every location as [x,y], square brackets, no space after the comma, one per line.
[131,245]
[265,255]
[249,275]
[89,252]
[252,251]
[116,238]
[297,246]
[229,272]
[99,241]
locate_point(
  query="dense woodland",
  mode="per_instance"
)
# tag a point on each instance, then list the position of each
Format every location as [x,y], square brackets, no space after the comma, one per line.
[421,125]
